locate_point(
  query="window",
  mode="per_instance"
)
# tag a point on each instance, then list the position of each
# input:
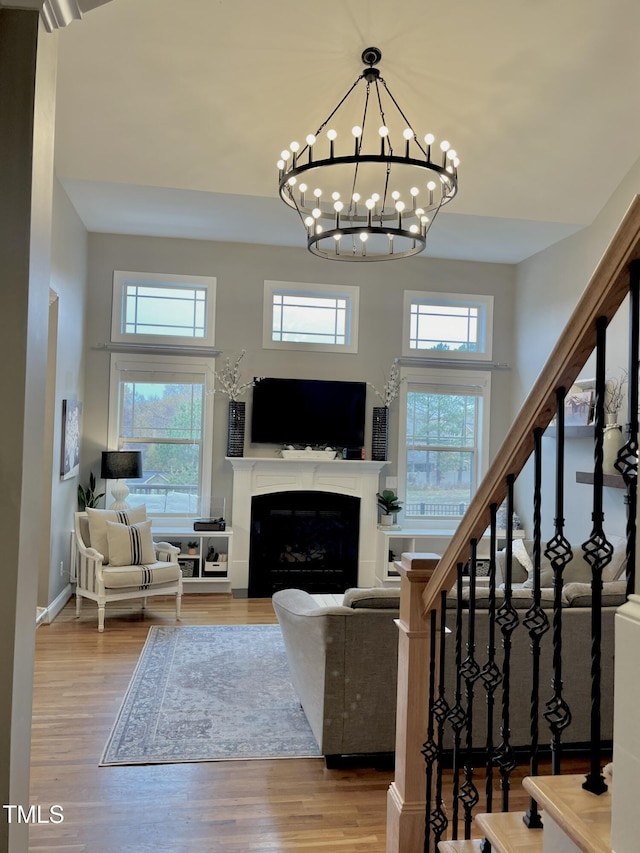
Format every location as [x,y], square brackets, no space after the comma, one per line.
[451,326]
[319,317]
[445,447]
[163,309]
[162,407]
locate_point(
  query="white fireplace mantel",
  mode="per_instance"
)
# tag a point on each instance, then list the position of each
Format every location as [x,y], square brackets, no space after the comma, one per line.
[259,475]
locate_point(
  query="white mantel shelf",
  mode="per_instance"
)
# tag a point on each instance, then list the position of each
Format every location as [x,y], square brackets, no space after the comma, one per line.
[351,465]
[260,475]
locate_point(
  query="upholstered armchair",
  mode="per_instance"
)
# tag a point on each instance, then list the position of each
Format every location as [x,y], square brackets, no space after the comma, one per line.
[117,559]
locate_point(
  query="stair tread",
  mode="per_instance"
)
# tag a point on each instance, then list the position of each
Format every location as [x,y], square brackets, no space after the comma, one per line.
[508,833]
[474,846]
[583,816]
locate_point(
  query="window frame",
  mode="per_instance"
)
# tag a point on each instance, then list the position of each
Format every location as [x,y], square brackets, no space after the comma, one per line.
[431,377]
[175,365]
[350,292]
[462,300]
[118,316]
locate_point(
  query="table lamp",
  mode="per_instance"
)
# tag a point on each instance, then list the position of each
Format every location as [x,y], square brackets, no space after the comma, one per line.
[118,465]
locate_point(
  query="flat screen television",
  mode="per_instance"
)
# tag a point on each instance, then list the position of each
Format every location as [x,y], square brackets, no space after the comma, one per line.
[308,412]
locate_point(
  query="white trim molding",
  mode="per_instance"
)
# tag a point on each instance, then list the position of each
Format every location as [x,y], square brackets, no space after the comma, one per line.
[55,14]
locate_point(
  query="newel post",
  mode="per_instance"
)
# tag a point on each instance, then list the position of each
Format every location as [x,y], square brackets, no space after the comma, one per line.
[406,798]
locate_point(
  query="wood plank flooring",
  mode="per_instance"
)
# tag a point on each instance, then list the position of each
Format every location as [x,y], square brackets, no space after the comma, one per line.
[214,807]
[278,806]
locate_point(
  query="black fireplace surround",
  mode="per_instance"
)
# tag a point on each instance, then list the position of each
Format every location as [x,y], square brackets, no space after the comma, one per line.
[306,540]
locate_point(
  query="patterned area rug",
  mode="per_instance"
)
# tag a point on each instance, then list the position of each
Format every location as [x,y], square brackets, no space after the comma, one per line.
[210,693]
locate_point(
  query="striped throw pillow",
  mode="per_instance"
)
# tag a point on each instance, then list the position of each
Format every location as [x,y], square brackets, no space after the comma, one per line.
[130,544]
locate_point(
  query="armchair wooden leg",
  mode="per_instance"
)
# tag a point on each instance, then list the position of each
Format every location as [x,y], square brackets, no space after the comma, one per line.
[101,609]
[178,605]
[144,602]
[78,603]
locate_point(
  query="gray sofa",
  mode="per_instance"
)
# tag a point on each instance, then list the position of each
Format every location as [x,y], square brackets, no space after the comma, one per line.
[343,665]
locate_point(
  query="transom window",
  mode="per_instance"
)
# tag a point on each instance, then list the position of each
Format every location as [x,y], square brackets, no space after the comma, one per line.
[165,309]
[456,325]
[445,437]
[162,408]
[314,316]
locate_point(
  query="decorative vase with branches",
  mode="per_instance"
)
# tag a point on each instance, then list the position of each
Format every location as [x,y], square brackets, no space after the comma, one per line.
[380,425]
[231,385]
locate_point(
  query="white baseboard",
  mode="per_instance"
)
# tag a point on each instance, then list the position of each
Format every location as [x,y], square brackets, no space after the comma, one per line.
[48,614]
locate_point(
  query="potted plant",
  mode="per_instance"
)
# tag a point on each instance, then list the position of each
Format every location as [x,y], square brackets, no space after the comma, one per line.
[390,505]
[88,497]
[192,547]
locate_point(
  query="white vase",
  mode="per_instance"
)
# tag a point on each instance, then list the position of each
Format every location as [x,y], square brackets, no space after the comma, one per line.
[612,441]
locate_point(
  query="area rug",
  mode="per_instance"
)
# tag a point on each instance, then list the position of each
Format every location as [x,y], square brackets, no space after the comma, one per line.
[210,693]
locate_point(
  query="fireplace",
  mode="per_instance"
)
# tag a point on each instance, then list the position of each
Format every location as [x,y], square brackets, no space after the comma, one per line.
[259,476]
[307,540]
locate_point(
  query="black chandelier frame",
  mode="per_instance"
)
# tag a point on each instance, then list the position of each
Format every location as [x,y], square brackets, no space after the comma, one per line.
[387,225]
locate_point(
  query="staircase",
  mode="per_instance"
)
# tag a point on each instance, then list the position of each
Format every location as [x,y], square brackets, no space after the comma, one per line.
[567,813]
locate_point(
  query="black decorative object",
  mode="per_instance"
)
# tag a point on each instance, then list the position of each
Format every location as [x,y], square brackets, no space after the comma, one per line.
[380,433]
[235,433]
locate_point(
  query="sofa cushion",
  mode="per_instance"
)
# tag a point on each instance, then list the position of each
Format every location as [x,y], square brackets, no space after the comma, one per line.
[614,594]
[577,569]
[376,598]
[98,524]
[141,577]
[130,544]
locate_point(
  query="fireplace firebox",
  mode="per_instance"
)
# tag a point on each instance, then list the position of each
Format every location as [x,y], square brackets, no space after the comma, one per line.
[306,540]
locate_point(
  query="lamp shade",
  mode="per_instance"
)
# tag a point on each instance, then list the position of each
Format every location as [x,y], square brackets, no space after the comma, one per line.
[121,464]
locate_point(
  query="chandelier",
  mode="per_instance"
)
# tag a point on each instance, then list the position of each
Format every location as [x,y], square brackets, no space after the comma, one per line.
[371,188]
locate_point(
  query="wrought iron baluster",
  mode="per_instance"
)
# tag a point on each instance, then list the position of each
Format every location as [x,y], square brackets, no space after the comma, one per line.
[439,819]
[537,624]
[507,620]
[470,671]
[490,675]
[558,551]
[429,748]
[597,553]
[457,716]
[627,461]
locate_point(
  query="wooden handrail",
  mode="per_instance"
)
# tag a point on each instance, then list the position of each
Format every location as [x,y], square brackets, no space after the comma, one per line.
[603,296]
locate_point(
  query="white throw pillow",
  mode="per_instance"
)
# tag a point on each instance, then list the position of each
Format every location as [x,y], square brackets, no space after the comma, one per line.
[130,544]
[98,519]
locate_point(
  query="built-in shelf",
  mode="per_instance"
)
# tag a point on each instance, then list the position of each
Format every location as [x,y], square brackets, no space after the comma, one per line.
[585,431]
[613,481]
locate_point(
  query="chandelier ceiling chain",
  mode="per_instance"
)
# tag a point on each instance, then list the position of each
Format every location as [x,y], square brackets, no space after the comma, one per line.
[373,204]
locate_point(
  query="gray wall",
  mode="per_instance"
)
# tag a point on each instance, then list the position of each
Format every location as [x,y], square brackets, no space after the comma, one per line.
[548,287]
[69,281]
[240,271]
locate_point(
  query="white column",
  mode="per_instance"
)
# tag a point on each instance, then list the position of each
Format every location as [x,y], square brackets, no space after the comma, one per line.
[625,817]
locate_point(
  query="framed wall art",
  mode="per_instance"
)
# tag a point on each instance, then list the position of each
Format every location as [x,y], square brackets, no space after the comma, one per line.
[70,457]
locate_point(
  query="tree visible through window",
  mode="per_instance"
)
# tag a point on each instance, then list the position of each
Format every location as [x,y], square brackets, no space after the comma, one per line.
[442,447]
[164,421]
[450,326]
[163,406]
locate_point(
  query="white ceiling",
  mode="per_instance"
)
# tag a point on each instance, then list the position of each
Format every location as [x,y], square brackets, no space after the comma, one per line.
[172,113]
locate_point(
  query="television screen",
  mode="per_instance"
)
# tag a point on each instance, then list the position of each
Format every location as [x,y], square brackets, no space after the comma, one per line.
[308,412]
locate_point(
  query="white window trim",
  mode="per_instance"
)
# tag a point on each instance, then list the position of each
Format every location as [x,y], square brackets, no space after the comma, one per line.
[121,277]
[431,376]
[165,364]
[305,289]
[460,299]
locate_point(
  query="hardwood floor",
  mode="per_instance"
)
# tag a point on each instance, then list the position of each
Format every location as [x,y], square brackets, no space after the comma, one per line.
[216,807]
